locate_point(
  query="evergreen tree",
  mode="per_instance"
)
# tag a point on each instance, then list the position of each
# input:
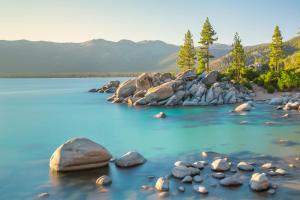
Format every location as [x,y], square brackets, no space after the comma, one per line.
[207,38]
[238,57]
[276,53]
[187,54]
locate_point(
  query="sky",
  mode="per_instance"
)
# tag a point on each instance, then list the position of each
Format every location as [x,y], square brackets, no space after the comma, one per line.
[137,20]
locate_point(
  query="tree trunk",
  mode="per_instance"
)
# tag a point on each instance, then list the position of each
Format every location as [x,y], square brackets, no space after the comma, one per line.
[207,58]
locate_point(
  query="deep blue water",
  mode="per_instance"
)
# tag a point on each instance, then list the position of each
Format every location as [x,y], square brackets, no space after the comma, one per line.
[37,115]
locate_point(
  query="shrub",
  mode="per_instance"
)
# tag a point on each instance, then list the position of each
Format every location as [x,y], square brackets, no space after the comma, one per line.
[270,89]
[249,73]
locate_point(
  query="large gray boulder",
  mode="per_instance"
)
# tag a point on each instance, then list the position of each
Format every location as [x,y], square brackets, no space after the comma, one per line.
[126,89]
[276,101]
[130,159]
[176,98]
[181,171]
[143,82]
[79,154]
[210,78]
[187,75]
[231,181]
[110,87]
[259,182]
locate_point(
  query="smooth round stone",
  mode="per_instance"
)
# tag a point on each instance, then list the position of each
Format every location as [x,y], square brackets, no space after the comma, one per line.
[280,171]
[161,115]
[198,164]
[194,171]
[220,165]
[200,189]
[197,179]
[182,163]
[231,181]
[180,172]
[271,191]
[43,195]
[291,165]
[130,159]
[245,166]
[218,175]
[267,166]
[204,154]
[272,173]
[181,189]
[162,184]
[187,179]
[103,180]
[259,182]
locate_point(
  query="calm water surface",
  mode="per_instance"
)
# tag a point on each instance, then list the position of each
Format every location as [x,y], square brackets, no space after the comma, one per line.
[37,115]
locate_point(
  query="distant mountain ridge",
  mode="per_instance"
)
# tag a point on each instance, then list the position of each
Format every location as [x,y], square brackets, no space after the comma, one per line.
[98,55]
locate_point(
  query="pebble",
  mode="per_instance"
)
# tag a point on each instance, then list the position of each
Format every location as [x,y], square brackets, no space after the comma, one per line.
[204,154]
[197,179]
[198,165]
[271,191]
[200,189]
[181,189]
[292,165]
[43,195]
[218,175]
[280,171]
[267,166]
[187,179]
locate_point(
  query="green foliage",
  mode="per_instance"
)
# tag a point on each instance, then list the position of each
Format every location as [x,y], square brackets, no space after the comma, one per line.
[238,58]
[292,62]
[249,73]
[270,89]
[187,54]
[207,38]
[276,53]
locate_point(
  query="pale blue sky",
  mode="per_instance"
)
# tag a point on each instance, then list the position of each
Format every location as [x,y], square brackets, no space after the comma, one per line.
[167,20]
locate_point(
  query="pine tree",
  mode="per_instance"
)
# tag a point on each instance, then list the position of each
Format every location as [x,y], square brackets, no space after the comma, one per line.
[238,57]
[207,38]
[276,53]
[187,54]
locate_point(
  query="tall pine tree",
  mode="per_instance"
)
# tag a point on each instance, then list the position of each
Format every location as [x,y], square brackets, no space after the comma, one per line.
[276,53]
[207,38]
[238,57]
[187,54]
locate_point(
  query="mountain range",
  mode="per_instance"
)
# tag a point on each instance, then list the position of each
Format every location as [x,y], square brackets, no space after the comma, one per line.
[96,57]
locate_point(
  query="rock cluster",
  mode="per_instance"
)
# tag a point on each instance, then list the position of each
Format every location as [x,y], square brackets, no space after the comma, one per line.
[110,87]
[130,159]
[287,102]
[186,89]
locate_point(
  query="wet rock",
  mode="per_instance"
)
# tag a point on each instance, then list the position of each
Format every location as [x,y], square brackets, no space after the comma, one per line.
[187,179]
[220,165]
[182,163]
[162,184]
[245,166]
[181,188]
[161,115]
[180,172]
[243,107]
[198,164]
[291,106]
[110,87]
[130,159]
[43,195]
[271,191]
[285,115]
[200,189]
[268,166]
[93,90]
[231,181]
[197,179]
[103,180]
[276,101]
[259,182]
[291,165]
[194,171]
[79,154]
[272,173]
[280,171]
[218,175]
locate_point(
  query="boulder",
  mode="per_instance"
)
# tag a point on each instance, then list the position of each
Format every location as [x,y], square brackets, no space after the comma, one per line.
[176,98]
[143,82]
[79,154]
[126,89]
[276,101]
[197,179]
[194,171]
[259,182]
[245,166]
[162,184]
[198,164]
[157,93]
[210,78]
[180,172]
[103,180]
[201,91]
[220,165]
[187,179]
[190,102]
[110,87]
[231,181]
[187,75]
[130,159]
[291,106]
[243,107]
[161,115]
[182,163]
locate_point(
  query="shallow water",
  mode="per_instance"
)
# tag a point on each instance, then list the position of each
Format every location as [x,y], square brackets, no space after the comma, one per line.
[37,115]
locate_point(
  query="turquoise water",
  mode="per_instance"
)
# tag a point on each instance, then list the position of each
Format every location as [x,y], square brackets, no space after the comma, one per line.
[37,115]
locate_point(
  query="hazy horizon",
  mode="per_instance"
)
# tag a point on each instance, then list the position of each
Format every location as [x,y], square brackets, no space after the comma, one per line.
[80,21]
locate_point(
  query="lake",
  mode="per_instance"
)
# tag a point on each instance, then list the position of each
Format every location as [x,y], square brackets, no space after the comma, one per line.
[38,115]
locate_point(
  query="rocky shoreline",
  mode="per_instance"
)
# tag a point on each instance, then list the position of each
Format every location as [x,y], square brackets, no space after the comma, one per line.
[185,89]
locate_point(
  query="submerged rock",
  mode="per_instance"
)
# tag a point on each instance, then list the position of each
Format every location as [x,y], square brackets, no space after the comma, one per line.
[197,179]
[182,163]
[180,172]
[130,159]
[187,179]
[245,166]
[231,181]
[79,154]
[161,115]
[181,188]
[200,189]
[244,107]
[259,182]
[103,180]
[218,175]
[43,195]
[198,164]
[162,184]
